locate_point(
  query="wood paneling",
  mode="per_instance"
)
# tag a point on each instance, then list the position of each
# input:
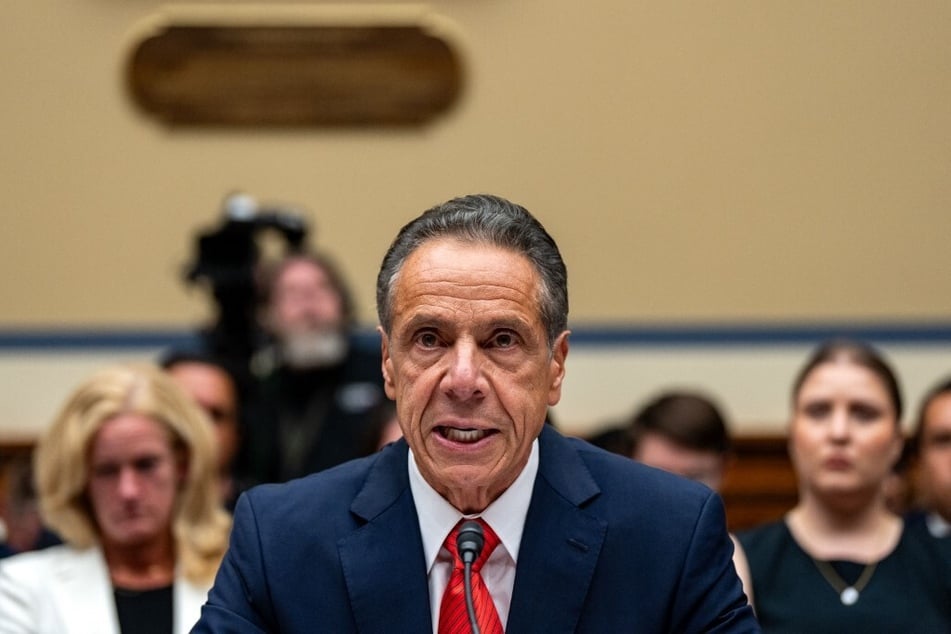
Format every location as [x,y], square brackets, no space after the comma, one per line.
[760,484]
[294,75]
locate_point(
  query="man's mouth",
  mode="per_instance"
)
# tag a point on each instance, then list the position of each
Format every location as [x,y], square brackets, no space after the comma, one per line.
[461,435]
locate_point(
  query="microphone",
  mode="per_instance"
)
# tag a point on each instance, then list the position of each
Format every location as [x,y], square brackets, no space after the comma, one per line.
[469,543]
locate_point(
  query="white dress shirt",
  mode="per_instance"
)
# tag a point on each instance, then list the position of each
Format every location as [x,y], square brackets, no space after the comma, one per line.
[506,516]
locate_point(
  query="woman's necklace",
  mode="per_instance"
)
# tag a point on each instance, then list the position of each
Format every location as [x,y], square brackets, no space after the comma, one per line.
[848,594]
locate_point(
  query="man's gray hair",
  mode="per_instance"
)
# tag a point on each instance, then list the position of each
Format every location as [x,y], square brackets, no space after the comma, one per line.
[482,219]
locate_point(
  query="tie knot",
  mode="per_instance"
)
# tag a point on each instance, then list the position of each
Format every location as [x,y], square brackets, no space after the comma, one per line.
[491,541]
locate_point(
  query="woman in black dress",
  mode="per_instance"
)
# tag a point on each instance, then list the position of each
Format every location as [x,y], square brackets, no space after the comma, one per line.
[840,561]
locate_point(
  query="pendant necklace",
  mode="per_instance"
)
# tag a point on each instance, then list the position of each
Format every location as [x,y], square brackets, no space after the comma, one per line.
[848,594]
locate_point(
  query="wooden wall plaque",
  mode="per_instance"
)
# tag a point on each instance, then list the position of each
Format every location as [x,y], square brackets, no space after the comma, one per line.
[294,75]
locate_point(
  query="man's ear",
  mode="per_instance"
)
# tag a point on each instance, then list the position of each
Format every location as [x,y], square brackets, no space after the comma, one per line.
[559,353]
[387,366]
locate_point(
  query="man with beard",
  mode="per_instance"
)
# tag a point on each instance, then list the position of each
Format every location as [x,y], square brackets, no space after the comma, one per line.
[318,385]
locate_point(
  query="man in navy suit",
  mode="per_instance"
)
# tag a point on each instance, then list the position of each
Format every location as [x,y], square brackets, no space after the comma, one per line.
[472,301]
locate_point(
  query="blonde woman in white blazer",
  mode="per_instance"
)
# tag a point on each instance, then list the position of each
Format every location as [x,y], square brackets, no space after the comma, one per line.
[63,590]
[126,476]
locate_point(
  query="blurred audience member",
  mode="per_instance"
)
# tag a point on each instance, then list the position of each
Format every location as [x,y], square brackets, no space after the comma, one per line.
[212,384]
[613,438]
[840,561]
[899,492]
[318,385]
[23,527]
[933,448]
[684,433]
[126,476]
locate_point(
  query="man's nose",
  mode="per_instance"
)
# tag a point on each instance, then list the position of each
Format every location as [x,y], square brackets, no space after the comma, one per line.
[463,379]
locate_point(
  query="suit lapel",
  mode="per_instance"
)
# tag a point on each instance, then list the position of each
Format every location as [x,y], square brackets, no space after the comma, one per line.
[560,545]
[383,561]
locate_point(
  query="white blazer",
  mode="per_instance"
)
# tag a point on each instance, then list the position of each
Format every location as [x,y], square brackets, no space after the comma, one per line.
[62,590]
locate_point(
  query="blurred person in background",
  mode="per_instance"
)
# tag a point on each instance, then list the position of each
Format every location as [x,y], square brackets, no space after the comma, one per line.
[285,324]
[932,440]
[612,437]
[841,560]
[23,527]
[318,384]
[383,427]
[126,476]
[899,488]
[214,387]
[685,433]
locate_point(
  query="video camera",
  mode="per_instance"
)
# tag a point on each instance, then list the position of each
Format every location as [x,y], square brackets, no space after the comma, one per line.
[227,259]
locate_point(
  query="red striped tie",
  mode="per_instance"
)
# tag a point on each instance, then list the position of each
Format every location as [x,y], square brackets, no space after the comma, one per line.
[453,617]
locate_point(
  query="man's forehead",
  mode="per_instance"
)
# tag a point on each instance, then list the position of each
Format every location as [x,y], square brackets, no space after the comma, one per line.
[448,257]
[478,271]
[452,280]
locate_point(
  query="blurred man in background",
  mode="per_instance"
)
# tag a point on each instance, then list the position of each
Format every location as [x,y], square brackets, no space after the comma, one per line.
[933,445]
[318,385]
[213,385]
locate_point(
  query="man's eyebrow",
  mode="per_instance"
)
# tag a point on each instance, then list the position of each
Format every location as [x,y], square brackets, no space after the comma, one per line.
[424,320]
[428,320]
[509,323]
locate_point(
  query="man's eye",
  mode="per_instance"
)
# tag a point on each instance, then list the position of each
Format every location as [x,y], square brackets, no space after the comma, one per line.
[504,340]
[427,340]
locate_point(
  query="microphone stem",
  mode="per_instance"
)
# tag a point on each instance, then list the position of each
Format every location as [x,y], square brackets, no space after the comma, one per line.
[470,607]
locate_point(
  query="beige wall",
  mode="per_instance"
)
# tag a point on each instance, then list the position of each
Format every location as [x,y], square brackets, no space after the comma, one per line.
[696,160]
[751,161]
[602,388]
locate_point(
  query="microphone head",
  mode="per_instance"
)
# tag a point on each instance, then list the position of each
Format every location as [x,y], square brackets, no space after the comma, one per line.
[469,541]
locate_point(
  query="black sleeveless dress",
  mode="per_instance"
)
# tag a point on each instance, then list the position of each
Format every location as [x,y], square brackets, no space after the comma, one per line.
[908,592]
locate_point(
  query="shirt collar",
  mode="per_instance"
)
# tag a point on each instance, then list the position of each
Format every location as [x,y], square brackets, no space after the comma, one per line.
[506,515]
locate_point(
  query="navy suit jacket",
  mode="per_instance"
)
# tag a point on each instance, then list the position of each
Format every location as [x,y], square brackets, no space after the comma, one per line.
[609,545]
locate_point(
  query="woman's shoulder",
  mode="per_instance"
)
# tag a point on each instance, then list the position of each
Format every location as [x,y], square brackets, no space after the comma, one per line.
[41,562]
[768,547]
[767,535]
